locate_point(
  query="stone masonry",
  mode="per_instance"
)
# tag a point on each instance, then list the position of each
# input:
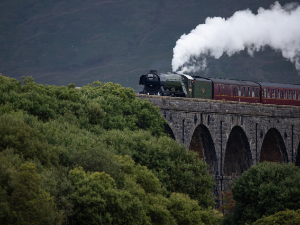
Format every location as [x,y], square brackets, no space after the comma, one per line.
[232,136]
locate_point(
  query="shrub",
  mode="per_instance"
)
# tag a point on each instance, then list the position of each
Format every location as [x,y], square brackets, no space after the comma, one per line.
[23,200]
[141,200]
[26,140]
[287,217]
[265,189]
[177,169]
[188,211]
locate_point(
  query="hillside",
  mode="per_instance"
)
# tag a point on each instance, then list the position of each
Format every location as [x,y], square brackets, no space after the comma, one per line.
[63,41]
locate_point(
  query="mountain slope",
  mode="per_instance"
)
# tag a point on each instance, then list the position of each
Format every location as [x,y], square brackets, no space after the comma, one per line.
[63,41]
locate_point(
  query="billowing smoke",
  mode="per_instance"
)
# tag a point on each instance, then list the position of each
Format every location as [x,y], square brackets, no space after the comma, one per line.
[277,27]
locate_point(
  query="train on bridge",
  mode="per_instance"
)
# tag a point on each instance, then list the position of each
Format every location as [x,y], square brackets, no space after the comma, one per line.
[182,85]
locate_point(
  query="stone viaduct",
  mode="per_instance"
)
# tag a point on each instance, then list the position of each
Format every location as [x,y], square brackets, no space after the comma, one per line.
[232,136]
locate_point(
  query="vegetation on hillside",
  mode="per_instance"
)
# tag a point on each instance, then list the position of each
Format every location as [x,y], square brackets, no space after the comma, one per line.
[263,190]
[94,156]
[287,217]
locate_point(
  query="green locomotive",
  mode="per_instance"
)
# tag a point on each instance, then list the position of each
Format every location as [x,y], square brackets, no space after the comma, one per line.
[176,85]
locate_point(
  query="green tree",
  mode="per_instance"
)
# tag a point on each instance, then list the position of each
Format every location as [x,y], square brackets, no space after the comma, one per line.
[140,200]
[123,110]
[177,169]
[26,140]
[265,189]
[7,85]
[97,201]
[23,201]
[187,211]
[287,217]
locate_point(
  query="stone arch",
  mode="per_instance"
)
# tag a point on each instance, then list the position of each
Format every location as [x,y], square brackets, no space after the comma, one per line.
[237,154]
[168,130]
[297,161]
[203,144]
[273,148]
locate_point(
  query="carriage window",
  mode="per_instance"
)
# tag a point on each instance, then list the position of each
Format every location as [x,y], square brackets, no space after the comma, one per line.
[223,90]
[265,93]
[226,93]
[268,93]
[219,90]
[285,95]
[290,94]
[278,93]
[293,94]
[244,92]
[273,93]
[298,95]
[249,95]
[257,93]
[239,91]
[231,91]
[253,93]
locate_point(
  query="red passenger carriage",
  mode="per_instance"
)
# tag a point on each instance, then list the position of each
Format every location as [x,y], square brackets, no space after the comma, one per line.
[234,90]
[252,92]
[280,94]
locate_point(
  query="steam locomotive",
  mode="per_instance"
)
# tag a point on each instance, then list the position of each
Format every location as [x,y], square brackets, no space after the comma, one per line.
[182,85]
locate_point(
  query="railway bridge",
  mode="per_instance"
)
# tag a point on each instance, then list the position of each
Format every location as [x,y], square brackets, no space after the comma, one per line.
[232,136]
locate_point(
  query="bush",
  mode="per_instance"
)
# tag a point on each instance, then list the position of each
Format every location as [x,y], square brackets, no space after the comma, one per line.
[288,217]
[123,110]
[177,169]
[141,200]
[97,201]
[23,200]
[187,211]
[265,189]
[25,140]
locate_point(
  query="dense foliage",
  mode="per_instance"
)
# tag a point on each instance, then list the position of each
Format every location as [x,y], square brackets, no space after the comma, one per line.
[177,170]
[263,190]
[109,106]
[94,156]
[288,217]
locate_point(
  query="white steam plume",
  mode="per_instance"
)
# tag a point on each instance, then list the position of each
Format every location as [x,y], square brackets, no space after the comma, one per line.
[277,27]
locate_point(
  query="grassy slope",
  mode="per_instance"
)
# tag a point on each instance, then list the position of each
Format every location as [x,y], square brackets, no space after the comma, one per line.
[74,41]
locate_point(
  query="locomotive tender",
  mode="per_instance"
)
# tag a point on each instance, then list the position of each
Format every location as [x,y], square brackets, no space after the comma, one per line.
[182,85]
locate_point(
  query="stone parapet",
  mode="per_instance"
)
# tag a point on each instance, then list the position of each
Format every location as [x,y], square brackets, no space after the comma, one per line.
[196,105]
